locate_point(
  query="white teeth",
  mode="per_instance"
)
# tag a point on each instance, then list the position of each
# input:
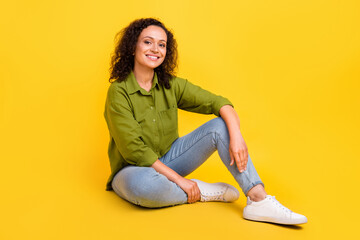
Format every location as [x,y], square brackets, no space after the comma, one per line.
[152,57]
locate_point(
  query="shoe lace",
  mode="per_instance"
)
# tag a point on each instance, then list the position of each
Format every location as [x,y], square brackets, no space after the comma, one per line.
[214,196]
[279,205]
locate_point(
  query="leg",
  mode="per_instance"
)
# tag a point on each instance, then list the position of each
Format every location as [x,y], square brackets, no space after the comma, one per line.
[257,193]
[190,151]
[145,187]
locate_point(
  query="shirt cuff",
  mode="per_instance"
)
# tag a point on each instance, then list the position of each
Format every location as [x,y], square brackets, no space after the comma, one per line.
[147,159]
[219,104]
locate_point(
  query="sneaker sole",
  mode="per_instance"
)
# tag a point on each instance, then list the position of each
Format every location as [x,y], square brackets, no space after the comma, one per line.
[272,220]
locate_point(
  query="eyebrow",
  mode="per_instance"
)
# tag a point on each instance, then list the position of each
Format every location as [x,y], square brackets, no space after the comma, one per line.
[153,38]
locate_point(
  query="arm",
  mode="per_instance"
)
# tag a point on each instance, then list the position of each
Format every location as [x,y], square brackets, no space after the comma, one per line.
[238,149]
[190,187]
[193,98]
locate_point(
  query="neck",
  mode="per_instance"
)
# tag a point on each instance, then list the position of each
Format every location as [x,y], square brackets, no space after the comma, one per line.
[143,75]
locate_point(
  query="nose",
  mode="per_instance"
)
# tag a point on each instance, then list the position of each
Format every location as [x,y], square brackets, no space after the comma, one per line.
[154,48]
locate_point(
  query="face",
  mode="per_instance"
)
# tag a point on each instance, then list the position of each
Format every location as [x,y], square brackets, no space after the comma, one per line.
[150,49]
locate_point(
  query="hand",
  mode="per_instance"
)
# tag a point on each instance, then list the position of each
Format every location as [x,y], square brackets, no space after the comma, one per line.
[238,151]
[191,188]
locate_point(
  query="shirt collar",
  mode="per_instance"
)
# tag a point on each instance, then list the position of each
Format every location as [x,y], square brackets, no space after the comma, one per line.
[133,86]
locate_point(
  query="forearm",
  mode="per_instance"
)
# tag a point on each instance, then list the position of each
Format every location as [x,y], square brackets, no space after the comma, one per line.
[231,119]
[188,186]
[166,171]
[237,148]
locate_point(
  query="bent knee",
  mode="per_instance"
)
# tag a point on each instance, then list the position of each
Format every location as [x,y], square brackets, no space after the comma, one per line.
[154,195]
[146,187]
[149,190]
[150,187]
[219,127]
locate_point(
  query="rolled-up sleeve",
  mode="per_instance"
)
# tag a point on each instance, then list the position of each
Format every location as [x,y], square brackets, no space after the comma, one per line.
[195,99]
[125,131]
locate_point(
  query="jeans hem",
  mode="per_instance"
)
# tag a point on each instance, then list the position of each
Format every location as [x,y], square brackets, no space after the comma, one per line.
[253,185]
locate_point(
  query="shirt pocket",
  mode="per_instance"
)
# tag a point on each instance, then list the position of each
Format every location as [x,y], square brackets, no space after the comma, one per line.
[169,120]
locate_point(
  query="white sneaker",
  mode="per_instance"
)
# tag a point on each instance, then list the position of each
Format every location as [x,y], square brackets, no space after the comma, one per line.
[221,192]
[270,210]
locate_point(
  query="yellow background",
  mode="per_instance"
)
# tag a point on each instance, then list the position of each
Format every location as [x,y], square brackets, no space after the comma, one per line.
[291,68]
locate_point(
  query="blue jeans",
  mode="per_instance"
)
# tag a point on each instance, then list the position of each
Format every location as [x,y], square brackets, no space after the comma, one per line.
[146,187]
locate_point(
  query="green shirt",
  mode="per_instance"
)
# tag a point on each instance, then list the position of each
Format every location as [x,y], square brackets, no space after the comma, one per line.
[143,125]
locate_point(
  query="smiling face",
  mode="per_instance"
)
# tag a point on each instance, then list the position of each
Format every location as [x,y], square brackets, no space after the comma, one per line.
[150,49]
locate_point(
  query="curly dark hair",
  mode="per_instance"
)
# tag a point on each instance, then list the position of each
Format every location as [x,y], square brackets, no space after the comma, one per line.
[122,60]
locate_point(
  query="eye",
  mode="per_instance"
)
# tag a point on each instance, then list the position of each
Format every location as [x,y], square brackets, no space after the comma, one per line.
[147,42]
[162,45]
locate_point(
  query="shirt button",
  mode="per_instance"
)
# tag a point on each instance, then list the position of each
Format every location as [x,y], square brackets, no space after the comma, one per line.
[154,120]
[151,107]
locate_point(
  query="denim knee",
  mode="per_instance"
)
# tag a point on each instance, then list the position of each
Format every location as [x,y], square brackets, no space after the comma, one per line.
[150,194]
[219,128]
[145,187]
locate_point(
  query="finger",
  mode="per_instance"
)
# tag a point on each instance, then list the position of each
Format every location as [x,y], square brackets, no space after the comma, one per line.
[246,158]
[192,196]
[241,162]
[188,196]
[238,162]
[194,191]
[191,190]
[231,158]
[197,195]
[242,156]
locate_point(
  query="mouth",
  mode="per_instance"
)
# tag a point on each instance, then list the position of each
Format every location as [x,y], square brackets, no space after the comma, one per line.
[152,57]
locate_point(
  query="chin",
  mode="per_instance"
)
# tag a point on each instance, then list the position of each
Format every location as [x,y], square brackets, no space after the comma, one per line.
[153,66]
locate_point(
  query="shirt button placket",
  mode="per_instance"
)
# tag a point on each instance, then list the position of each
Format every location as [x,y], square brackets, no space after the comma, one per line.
[156,137]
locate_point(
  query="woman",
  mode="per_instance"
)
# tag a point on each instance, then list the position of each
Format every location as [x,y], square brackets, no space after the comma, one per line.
[148,159]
